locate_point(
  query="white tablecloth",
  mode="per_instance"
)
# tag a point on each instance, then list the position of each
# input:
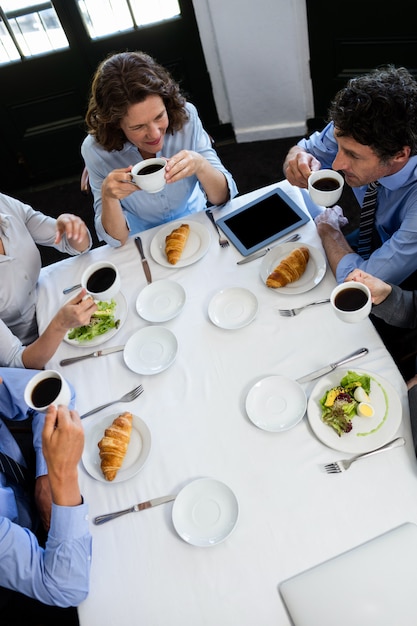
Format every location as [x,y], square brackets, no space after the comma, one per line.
[292,515]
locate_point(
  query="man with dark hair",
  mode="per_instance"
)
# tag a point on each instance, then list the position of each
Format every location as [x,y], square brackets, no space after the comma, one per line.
[372,140]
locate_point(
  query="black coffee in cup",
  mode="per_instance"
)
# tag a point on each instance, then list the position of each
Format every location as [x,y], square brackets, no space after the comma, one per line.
[150,169]
[101,280]
[350,299]
[326,184]
[45,392]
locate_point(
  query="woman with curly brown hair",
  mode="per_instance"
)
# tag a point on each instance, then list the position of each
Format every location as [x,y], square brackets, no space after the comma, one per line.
[136,111]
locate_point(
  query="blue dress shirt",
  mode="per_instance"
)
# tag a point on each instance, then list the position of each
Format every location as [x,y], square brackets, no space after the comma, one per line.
[143,210]
[395,218]
[59,573]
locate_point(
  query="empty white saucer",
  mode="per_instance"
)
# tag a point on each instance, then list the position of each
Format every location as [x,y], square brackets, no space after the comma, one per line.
[150,350]
[276,403]
[160,301]
[205,512]
[233,308]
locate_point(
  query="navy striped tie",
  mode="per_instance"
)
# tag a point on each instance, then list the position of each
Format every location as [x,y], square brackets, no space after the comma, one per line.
[366,226]
[13,470]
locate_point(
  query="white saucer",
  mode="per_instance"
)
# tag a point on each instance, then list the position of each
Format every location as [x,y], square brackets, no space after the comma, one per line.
[160,301]
[150,350]
[233,308]
[276,403]
[205,512]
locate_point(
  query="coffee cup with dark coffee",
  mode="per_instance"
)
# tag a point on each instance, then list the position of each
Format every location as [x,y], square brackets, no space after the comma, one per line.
[325,187]
[46,388]
[351,301]
[101,280]
[149,174]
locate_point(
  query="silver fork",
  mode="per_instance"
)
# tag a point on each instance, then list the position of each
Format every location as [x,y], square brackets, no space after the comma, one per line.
[344,464]
[292,312]
[223,242]
[128,397]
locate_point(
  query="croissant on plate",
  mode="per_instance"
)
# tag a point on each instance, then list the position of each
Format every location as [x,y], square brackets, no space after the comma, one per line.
[289,269]
[113,445]
[175,243]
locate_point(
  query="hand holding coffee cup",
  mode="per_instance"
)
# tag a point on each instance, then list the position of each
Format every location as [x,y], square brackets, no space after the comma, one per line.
[46,388]
[325,187]
[149,174]
[351,301]
[101,280]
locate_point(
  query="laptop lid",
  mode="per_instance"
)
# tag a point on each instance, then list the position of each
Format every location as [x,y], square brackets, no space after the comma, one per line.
[374,584]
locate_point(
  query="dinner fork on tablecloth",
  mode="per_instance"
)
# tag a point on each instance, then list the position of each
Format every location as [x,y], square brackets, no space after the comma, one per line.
[292,312]
[344,464]
[223,242]
[128,397]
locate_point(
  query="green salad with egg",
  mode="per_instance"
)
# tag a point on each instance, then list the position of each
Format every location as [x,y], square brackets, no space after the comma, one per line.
[340,404]
[101,322]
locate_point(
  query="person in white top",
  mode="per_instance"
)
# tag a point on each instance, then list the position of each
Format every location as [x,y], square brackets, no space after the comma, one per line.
[21,228]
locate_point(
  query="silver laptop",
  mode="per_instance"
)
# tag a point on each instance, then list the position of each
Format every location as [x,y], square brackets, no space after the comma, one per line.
[374,584]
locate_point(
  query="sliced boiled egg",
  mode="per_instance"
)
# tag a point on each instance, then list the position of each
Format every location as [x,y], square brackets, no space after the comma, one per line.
[364,409]
[360,395]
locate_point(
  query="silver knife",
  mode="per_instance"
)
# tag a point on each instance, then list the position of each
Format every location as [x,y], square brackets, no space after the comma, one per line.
[329,368]
[101,519]
[91,354]
[145,264]
[257,255]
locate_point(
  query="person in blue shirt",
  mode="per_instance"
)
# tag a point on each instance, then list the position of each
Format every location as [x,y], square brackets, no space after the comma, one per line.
[371,136]
[136,111]
[56,575]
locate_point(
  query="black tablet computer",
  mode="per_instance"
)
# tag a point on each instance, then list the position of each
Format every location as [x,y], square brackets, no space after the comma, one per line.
[262,221]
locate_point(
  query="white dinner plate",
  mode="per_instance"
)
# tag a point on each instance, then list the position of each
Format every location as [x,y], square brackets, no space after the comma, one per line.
[120,312]
[137,451]
[205,512]
[314,274]
[276,403]
[150,350]
[197,245]
[233,308]
[367,433]
[160,301]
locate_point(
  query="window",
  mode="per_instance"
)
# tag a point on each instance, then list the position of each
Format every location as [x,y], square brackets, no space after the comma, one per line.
[28,29]
[105,17]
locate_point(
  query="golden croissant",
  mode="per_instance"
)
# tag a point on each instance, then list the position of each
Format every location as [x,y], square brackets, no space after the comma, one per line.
[290,269]
[113,445]
[175,243]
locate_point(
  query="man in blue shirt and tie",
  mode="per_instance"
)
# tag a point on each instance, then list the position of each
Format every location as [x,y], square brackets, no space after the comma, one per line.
[56,575]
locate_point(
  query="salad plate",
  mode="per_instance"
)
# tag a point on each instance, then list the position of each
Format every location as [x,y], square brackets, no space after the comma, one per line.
[205,512]
[197,245]
[160,301]
[137,451]
[120,313]
[314,274]
[367,433]
[233,308]
[276,403]
[150,350]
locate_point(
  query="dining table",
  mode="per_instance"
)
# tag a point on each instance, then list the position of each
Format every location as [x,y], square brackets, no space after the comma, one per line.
[252,503]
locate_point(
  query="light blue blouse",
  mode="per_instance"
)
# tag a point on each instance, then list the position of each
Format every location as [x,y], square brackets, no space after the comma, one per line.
[143,210]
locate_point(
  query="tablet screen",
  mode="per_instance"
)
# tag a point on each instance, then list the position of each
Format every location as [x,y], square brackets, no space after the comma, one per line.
[262,221]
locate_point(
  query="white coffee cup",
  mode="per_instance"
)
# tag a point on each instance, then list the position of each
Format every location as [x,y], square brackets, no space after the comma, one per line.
[329,187]
[101,280]
[351,301]
[46,388]
[149,174]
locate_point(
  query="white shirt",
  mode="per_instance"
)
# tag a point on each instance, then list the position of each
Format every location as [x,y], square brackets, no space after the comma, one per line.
[21,228]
